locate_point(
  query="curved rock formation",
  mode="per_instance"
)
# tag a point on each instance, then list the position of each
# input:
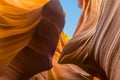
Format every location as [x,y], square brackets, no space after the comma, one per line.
[62,71]
[96,49]
[76,50]
[17,23]
[35,56]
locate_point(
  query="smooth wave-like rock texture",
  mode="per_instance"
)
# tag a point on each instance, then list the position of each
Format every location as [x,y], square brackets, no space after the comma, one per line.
[36,35]
[17,23]
[63,71]
[76,50]
[105,47]
[95,46]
